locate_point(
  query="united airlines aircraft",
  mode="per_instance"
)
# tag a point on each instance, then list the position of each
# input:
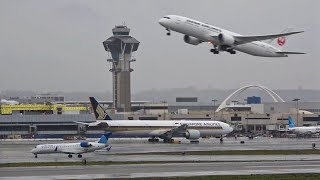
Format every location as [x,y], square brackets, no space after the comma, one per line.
[164,129]
[73,148]
[196,32]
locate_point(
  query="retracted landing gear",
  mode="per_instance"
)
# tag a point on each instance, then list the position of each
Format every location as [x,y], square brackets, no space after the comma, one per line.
[169,32]
[70,156]
[79,155]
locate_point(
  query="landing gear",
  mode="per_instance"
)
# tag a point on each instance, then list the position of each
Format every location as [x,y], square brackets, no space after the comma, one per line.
[214,51]
[79,155]
[194,142]
[35,156]
[221,139]
[231,51]
[168,33]
[168,140]
[153,140]
[70,156]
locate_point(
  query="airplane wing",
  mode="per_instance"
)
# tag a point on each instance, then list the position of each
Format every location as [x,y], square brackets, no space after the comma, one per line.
[169,132]
[248,39]
[283,52]
[97,123]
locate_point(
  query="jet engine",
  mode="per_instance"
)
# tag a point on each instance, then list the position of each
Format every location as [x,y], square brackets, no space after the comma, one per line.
[85,144]
[191,40]
[192,134]
[226,39]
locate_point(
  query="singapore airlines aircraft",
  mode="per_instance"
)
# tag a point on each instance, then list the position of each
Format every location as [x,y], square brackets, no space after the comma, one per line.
[73,148]
[196,32]
[307,130]
[164,129]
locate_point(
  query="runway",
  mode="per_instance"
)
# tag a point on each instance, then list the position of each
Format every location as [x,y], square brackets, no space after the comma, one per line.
[19,151]
[160,170]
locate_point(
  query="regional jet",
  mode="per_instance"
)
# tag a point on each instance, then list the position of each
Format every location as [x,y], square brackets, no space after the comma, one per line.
[307,130]
[196,32]
[153,129]
[73,148]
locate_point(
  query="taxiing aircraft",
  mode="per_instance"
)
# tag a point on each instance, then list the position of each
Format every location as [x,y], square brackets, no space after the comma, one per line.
[306,130]
[196,32]
[164,129]
[73,148]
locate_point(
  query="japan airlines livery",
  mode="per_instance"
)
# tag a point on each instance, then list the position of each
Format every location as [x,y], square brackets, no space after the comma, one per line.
[164,129]
[73,148]
[196,32]
[307,130]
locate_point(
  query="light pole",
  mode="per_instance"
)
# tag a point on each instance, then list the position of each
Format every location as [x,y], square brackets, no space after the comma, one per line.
[214,111]
[297,107]
[164,109]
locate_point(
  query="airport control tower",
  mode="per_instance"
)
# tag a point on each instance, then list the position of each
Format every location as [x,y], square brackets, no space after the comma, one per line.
[121,46]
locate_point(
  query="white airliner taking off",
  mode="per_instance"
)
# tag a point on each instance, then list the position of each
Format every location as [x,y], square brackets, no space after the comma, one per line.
[73,148]
[196,32]
[164,129]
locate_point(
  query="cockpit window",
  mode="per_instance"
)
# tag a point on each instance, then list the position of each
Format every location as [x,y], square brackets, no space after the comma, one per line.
[166,17]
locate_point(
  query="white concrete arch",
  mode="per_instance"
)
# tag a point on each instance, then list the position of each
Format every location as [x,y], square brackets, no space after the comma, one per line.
[272,94]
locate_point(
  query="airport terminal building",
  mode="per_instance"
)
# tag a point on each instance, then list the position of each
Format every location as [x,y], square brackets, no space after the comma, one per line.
[56,119]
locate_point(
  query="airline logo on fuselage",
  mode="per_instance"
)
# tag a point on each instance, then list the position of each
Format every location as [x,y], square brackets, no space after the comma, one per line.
[209,124]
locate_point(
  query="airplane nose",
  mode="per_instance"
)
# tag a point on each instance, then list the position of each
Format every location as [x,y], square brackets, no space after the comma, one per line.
[33,151]
[230,129]
[161,21]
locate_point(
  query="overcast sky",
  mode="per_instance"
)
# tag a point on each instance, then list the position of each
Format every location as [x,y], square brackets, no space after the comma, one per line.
[50,45]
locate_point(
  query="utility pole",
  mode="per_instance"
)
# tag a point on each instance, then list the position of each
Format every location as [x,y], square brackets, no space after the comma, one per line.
[214,111]
[297,107]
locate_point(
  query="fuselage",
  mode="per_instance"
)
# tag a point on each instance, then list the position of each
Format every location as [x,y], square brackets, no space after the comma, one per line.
[206,33]
[153,128]
[66,147]
[305,130]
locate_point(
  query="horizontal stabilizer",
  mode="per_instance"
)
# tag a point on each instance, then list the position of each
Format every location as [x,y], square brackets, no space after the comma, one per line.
[283,52]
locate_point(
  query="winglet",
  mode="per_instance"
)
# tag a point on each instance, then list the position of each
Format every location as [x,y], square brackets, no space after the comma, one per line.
[98,110]
[291,122]
[104,138]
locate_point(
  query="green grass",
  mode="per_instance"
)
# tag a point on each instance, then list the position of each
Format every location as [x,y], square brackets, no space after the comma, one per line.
[236,152]
[246,177]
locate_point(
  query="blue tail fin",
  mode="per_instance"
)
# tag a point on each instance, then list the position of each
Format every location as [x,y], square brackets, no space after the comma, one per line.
[291,122]
[98,110]
[104,138]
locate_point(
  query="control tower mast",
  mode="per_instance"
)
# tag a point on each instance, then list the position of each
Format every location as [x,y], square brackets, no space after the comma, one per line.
[121,46]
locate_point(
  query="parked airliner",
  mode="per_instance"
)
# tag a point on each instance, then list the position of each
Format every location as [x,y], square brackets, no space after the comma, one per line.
[196,32]
[164,129]
[307,130]
[73,148]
